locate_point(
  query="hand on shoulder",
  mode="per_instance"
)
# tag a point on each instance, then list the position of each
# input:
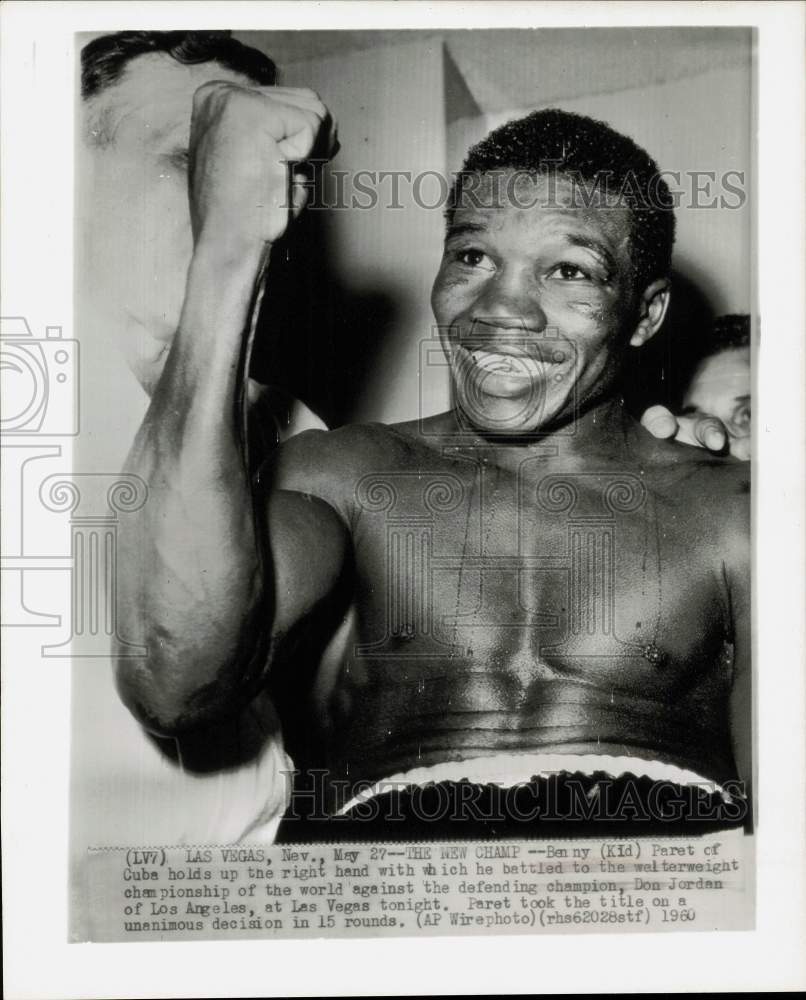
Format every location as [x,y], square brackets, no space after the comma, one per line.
[698,429]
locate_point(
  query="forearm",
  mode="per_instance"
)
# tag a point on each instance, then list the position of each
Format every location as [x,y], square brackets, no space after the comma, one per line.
[191,582]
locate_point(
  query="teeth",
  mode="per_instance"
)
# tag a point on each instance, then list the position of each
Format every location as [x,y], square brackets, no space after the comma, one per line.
[506,364]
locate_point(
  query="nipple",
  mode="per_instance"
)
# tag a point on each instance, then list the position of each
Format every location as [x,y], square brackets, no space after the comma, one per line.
[654,655]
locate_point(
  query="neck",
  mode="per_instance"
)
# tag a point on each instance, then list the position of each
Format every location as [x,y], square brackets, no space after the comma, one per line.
[600,433]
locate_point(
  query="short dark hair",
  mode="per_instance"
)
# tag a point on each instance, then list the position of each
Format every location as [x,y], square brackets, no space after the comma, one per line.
[104,59]
[729,332]
[588,152]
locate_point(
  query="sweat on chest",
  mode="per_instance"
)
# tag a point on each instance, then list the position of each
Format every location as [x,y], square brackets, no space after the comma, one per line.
[549,566]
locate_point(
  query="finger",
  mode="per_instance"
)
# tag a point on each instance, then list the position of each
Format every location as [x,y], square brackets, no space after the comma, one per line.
[710,433]
[659,422]
[302,99]
[685,432]
[309,100]
[297,123]
[297,146]
[327,141]
[740,448]
[304,131]
[305,100]
[290,93]
[312,142]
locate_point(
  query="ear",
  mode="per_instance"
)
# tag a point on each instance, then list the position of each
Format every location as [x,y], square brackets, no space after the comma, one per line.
[651,311]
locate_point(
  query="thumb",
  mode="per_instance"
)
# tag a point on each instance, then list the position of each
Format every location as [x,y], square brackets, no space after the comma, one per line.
[660,422]
[711,434]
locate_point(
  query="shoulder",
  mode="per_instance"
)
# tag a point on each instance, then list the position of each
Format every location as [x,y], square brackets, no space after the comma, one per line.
[688,473]
[330,464]
[723,493]
[709,493]
[342,451]
[726,503]
[720,485]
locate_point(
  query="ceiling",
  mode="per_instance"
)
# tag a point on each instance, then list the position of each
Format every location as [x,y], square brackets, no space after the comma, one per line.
[506,68]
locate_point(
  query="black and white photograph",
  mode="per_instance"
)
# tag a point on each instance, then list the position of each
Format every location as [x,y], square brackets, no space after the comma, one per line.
[544,570]
[388,505]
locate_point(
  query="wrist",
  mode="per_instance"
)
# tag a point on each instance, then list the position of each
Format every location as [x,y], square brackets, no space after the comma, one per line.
[228,252]
[219,292]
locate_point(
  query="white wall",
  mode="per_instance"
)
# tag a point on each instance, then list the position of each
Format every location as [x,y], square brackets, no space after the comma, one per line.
[389,104]
[701,123]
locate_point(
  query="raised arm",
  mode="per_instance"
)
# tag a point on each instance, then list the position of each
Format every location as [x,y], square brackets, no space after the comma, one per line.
[197,574]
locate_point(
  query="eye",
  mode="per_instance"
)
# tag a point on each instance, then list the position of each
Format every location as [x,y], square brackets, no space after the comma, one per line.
[473,258]
[741,417]
[569,272]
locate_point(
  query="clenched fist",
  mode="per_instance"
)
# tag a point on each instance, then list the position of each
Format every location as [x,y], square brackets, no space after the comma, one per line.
[244,145]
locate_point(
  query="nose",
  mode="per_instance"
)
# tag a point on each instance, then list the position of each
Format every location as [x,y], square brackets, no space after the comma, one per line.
[511,300]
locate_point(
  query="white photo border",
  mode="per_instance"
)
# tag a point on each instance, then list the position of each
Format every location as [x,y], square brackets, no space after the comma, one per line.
[38,76]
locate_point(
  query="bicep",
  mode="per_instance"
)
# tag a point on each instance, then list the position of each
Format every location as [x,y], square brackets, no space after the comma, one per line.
[307,549]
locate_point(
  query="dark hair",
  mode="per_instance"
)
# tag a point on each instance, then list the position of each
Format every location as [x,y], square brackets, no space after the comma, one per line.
[590,153]
[104,59]
[728,332]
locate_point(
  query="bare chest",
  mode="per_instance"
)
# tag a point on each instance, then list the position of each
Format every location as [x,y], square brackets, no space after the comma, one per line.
[533,571]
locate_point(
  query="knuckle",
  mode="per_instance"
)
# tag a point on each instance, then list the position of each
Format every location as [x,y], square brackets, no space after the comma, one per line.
[658,417]
[653,412]
[708,423]
[217,96]
[319,108]
[202,95]
[210,88]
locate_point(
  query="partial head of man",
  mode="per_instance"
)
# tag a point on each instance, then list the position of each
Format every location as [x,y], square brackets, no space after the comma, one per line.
[557,255]
[137,95]
[720,385]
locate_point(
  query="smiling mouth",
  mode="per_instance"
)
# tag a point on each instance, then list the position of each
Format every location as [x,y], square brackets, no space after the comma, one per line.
[511,365]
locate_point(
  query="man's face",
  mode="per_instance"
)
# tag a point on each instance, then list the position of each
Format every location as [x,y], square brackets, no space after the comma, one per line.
[533,304]
[136,239]
[721,388]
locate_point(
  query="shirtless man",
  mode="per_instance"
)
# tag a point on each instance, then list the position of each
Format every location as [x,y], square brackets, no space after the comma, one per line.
[535,578]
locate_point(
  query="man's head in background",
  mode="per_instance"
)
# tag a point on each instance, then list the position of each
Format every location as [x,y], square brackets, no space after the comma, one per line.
[137,94]
[720,385]
[557,255]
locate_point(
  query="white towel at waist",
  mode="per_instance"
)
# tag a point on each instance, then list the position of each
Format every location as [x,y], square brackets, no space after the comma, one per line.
[513,769]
